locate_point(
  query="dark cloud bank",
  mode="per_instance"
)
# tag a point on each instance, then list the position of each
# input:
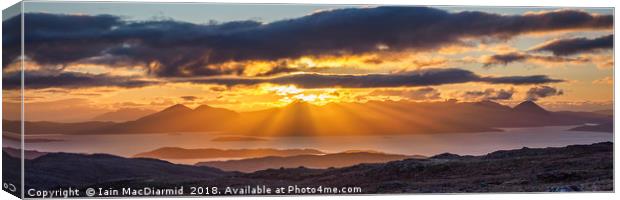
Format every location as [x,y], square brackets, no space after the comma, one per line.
[507,58]
[578,45]
[176,49]
[423,77]
[37,80]
[561,49]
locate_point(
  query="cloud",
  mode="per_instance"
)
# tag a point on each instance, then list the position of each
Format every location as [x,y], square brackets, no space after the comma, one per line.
[538,92]
[489,94]
[177,49]
[505,59]
[434,62]
[190,98]
[519,80]
[11,40]
[40,80]
[577,45]
[47,44]
[278,69]
[422,77]
[561,50]
[426,93]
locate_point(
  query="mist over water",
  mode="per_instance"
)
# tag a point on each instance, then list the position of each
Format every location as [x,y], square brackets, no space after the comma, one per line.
[421,144]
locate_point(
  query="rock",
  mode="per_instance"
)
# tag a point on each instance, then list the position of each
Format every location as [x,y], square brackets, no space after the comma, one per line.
[566,188]
[392,185]
[552,177]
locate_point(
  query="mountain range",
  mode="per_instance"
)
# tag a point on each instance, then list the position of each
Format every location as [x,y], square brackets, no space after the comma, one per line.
[305,119]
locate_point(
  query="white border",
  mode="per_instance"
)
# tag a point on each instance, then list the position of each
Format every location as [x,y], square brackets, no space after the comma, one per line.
[563,3]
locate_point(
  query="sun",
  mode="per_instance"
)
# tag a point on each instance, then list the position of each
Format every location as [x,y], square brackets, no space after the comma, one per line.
[284,90]
[291,93]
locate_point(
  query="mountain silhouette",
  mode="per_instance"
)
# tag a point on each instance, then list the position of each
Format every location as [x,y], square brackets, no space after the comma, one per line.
[211,153]
[177,118]
[176,108]
[305,119]
[609,112]
[530,107]
[122,115]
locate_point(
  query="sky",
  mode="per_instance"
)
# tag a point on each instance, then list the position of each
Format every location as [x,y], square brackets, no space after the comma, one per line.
[93,58]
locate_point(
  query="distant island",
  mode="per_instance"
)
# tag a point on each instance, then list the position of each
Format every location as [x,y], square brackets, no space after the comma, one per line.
[605,127]
[305,119]
[211,153]
[237,139]
[311,161]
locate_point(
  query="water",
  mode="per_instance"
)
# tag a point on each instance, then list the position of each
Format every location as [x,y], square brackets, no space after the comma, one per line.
[425,144]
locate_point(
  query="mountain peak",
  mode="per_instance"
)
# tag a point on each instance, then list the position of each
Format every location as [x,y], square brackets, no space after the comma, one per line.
[491,104]
[177,107]
[203,107]
[529,107]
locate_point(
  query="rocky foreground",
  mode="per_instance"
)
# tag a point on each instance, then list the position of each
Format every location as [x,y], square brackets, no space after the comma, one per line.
[571,168]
